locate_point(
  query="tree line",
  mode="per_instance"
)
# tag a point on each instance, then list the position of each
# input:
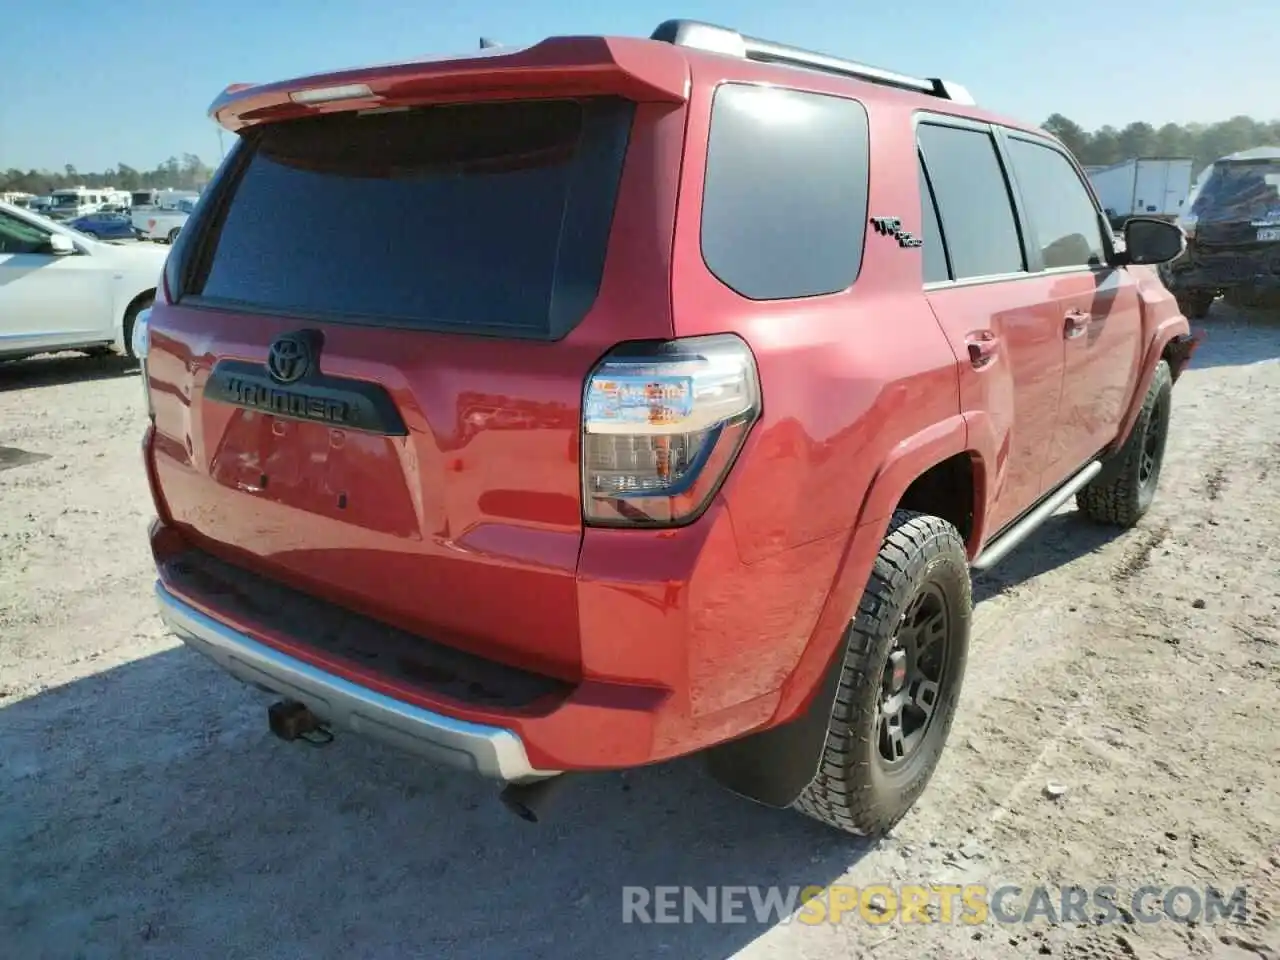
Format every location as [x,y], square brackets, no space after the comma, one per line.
[1203,142]
[187,172]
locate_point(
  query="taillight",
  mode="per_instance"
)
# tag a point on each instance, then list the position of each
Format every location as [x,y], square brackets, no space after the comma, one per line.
[661,426]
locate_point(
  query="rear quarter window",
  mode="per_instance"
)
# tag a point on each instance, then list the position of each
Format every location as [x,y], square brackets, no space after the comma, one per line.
[784,205]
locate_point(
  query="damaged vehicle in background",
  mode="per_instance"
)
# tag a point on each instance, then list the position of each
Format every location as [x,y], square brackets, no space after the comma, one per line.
[1233,235]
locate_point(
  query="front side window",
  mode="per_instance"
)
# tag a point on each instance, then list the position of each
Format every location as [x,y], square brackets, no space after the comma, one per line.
[1064,220]
[974,206]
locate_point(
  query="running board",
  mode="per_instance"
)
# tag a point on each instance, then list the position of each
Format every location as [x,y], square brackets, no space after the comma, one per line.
[999,548]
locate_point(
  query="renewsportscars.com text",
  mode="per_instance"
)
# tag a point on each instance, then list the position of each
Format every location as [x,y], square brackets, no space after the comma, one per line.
[972,904]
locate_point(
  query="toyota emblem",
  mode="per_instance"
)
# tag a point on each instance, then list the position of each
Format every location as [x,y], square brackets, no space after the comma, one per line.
[289,358]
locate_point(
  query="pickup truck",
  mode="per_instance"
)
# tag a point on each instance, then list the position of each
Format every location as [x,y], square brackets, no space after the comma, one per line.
[163,223]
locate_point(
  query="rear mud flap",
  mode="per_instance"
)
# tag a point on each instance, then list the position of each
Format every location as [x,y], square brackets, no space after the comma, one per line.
[1179,352]
[774,766]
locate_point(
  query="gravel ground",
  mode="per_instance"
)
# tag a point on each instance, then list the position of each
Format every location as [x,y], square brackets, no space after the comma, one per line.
[145,811]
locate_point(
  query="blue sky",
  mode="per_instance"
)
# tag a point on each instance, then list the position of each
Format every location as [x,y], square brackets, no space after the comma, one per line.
[97,82]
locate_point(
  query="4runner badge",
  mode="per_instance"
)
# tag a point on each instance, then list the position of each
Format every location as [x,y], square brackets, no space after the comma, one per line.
[892,227]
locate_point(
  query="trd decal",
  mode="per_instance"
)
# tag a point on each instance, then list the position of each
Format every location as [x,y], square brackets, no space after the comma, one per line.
[892,227]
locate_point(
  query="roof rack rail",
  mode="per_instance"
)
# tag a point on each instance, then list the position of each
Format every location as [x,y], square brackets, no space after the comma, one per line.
[713,39]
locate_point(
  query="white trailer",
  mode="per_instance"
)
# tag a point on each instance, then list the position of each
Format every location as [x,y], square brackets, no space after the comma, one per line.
[1143,186]
[72,202]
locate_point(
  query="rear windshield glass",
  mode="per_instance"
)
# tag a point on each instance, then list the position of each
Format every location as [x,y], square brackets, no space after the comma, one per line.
[482,217]
[1240,190]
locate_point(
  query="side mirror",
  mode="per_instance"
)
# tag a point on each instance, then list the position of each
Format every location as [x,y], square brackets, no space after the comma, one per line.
[60,246]
[1148,240]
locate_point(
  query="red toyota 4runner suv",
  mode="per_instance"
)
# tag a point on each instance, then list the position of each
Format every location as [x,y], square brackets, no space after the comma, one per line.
[590,404]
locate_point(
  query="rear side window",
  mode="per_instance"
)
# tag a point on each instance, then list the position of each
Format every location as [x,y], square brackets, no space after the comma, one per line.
[784,206]
[974,206]
[485,218]
[1063,217]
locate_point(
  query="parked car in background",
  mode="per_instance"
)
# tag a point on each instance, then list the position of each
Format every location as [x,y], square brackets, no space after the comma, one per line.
[163,224]
[106,226]
[63,290]
[1233,234]
[166,198]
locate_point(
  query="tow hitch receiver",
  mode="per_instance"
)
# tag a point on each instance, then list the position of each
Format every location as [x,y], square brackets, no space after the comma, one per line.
[291,720]
[529,801]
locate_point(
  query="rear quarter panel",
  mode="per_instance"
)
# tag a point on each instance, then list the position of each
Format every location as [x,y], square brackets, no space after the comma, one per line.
[850,381]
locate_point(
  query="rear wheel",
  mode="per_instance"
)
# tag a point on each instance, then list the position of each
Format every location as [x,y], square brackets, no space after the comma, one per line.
[904,660]
[1124,492]
[173,235]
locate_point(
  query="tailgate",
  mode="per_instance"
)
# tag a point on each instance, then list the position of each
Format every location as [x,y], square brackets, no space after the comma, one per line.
[366,373]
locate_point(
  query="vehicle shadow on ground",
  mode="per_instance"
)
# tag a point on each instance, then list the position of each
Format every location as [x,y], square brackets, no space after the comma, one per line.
[63,368]
[1235,337]
[1064,537]
[149,813]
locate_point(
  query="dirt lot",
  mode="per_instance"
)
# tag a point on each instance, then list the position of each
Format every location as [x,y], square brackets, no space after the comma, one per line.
[146,812]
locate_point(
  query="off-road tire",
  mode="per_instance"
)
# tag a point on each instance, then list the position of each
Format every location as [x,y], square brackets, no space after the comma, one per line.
[852,791]
[1121,495]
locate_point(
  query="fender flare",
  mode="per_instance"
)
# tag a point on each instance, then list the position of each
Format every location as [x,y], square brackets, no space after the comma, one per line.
[1166,333]
[908,460]
[773,766]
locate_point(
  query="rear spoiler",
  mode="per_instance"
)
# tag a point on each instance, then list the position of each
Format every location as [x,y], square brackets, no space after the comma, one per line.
[639,70]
